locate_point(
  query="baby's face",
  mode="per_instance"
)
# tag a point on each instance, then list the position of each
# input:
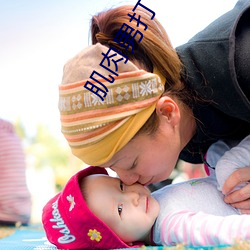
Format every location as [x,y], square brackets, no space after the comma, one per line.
[130,211]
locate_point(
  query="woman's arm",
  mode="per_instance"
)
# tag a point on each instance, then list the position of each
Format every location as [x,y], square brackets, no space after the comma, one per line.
[237,157]
[240,198]
[233,175]
[231,161]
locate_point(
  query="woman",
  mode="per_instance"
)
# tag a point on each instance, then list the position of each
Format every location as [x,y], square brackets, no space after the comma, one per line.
[142,123]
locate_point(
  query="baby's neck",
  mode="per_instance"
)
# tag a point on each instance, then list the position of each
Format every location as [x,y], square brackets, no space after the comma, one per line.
[148,239]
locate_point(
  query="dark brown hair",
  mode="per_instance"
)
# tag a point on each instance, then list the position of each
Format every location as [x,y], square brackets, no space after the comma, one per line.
[154,50]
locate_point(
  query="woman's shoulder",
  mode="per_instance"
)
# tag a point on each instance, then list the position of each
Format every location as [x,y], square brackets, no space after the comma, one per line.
[209,65]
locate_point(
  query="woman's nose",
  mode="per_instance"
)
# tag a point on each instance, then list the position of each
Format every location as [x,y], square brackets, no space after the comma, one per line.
[126,177]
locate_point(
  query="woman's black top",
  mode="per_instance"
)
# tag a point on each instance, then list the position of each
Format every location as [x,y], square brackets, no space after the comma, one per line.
[217,67]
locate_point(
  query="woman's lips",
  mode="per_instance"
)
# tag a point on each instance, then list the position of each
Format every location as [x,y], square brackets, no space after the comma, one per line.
[148,183]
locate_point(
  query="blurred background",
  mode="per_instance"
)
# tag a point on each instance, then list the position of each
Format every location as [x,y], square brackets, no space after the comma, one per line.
[36,39]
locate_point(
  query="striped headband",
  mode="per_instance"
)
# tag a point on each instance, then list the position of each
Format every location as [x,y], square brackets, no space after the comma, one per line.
[96,129]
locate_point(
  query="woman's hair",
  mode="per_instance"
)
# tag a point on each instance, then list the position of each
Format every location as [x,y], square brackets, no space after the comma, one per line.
[153,51]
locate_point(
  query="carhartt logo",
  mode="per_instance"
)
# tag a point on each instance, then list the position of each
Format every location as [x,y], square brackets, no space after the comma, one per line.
[67,237]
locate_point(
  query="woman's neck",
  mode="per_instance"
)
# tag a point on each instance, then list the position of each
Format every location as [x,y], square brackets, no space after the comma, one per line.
[187,125]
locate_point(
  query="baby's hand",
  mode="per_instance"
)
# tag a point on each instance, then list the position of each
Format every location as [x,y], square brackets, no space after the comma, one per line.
[240,198]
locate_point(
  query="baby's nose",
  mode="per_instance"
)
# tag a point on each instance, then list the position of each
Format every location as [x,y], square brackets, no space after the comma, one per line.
[133,197]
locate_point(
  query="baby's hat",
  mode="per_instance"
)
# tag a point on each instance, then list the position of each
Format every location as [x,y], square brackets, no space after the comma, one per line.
[69,223]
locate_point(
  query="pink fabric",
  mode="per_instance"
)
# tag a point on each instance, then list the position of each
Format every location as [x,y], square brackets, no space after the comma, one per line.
[15,200]
[201,229]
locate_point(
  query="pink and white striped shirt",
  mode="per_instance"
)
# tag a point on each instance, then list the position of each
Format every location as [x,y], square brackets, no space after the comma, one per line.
[194,212]
[15,200]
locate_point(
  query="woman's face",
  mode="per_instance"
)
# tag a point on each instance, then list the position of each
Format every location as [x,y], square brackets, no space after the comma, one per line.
[148,159]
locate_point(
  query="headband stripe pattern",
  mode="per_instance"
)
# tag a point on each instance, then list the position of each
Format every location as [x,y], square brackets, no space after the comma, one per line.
[86,118]
[97,129]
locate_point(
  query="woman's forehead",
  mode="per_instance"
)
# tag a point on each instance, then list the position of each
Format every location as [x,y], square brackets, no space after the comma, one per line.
[128,153]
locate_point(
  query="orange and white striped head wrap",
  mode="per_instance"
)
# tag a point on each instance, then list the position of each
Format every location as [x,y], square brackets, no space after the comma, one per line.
[96,129]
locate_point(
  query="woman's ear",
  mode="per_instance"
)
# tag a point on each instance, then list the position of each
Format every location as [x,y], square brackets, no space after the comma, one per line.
[168,109]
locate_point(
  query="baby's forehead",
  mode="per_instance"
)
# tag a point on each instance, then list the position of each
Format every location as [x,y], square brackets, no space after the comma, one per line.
[94,182]
[98,177]
[99,183]
[95,176]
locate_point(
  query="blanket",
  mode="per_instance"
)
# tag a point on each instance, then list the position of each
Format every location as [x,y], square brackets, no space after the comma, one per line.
[33,237]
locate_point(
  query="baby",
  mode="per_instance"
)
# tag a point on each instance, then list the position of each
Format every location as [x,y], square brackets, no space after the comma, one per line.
[96,211]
